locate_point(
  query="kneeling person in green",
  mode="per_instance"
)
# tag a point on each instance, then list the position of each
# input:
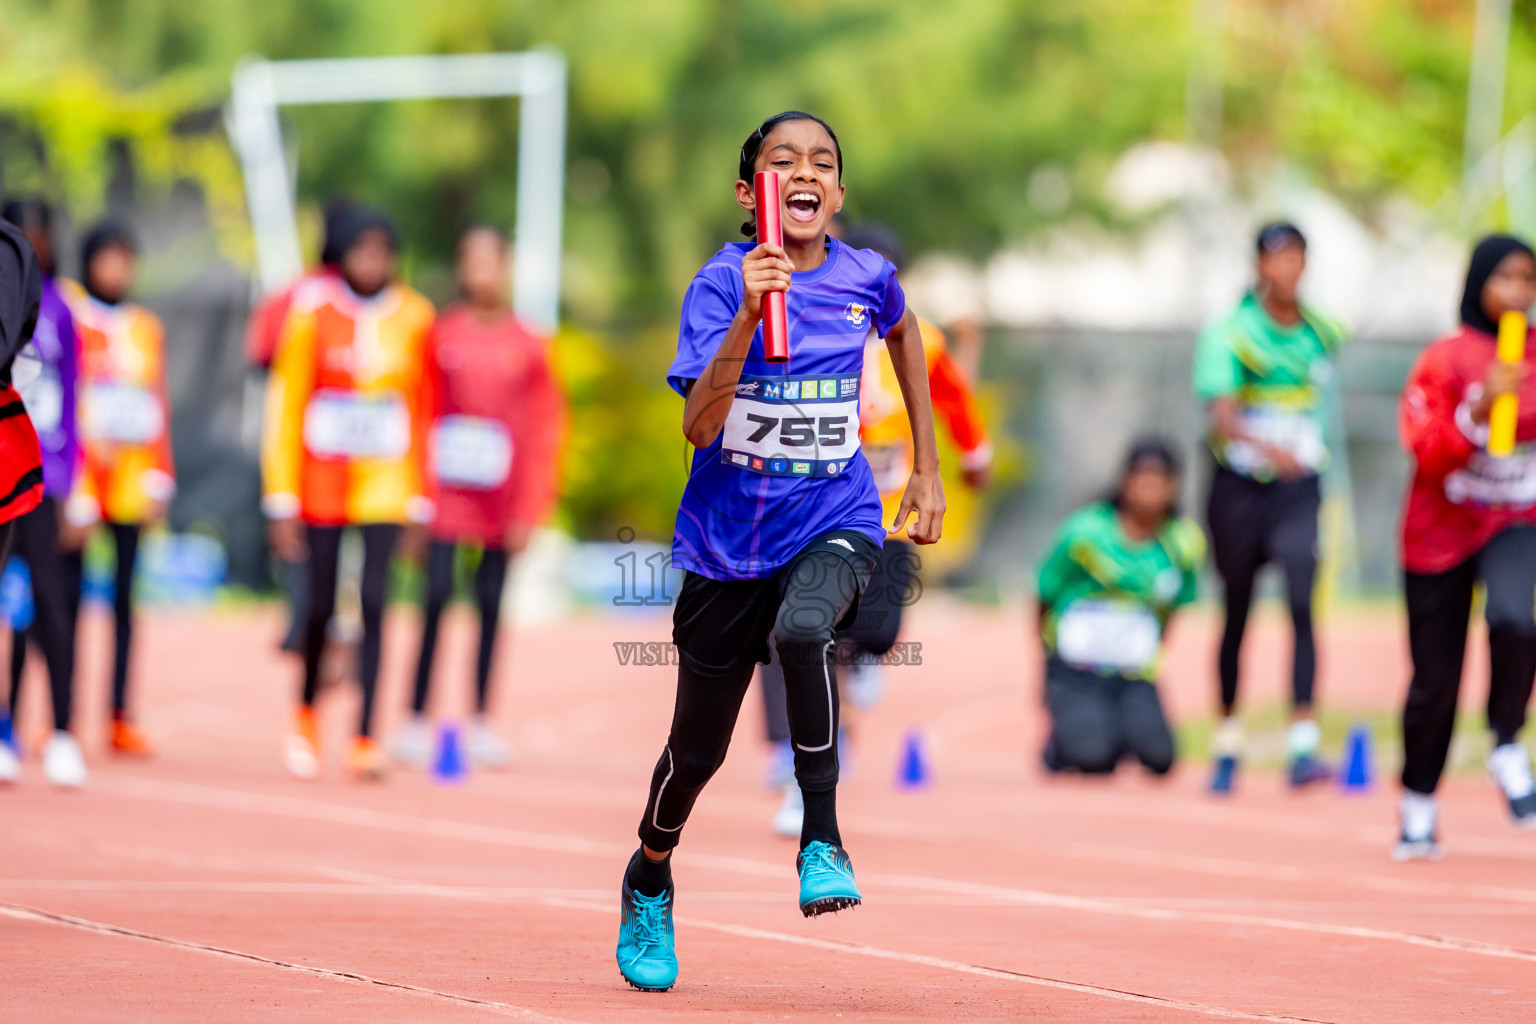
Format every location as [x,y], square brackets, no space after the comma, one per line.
[1116,572]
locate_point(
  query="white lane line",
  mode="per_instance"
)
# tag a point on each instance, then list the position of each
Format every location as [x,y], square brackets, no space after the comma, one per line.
[877,953]
[209,796]
[1098,905]
[560,792]
[1201,864]
[859,949]
[21,913]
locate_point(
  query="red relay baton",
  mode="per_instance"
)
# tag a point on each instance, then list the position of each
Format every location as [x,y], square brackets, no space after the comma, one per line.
[770,230]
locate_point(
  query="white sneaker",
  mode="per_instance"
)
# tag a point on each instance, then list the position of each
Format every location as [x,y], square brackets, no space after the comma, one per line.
[63,764]
[412,745]
[300,757]
[791,813]
[1510,767]
[10,764]
[486,748]
[866,684]
[1419,840]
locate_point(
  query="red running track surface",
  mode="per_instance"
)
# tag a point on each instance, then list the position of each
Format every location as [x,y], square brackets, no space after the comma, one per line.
[204,885]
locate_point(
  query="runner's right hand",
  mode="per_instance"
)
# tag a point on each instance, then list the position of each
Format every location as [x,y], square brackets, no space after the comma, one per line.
[765,269]
[1287,466]
[1501,379]
[287,539]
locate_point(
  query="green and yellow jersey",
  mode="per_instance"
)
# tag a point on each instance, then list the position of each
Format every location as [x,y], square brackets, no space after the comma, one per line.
[1107,598]
[1276,374]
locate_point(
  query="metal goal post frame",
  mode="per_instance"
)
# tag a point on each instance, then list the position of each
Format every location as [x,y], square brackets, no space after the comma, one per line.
[536,77]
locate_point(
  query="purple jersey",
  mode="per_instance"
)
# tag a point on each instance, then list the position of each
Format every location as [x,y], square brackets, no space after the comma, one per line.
[45,376]
[787,466]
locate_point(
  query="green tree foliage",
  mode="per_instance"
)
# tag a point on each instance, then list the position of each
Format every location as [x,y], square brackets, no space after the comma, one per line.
[945,108]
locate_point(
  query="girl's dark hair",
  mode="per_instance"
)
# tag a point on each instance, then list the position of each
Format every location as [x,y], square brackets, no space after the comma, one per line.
[337,212]
[109,234]
[754,145]
[358,222]
[29,214]
[1150,448]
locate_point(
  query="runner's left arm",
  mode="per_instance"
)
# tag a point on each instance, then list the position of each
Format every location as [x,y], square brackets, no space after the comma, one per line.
[924,495]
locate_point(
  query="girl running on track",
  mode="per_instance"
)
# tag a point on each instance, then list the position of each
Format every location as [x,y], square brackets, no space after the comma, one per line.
[125,430]
[1470,518]
[1116,572]
[496,415]
[779,525]
[1261,370]
[45,373]
[21,461]
[345,445]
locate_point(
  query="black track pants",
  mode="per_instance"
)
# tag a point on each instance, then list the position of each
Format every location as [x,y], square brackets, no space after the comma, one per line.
[892,587]
[54,573]
[379,541]
[1097,720]
[1439,609]
[1252,524]
[722,629]
[490,578]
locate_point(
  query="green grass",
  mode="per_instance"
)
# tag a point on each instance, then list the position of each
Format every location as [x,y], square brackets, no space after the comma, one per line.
[1266,727]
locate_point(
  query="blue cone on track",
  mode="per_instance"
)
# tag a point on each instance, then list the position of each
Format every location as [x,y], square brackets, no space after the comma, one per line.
[450,767]
[912,772]
[1357,774]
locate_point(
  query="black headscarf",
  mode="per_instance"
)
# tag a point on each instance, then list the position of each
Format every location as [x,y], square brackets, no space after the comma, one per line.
[337,213]
[21,289]
[354,223]
[1490,252]
[109,234]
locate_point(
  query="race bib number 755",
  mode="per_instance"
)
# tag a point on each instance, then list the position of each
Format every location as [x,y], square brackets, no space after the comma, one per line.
[793,426]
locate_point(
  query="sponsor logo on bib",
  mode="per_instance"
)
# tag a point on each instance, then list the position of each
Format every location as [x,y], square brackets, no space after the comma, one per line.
[801,427]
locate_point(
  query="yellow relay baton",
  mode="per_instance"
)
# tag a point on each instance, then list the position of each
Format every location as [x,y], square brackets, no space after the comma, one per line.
[1506,408]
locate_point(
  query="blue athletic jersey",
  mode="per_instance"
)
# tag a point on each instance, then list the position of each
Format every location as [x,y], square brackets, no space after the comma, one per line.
[787,467]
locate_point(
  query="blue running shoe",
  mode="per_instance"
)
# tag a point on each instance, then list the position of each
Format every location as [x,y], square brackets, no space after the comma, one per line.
[646,955]
[1225,774]
[1307,769]
[826,879]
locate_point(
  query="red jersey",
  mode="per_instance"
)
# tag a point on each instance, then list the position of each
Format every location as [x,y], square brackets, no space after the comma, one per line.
[1460,495]
[497,419]
[21,458]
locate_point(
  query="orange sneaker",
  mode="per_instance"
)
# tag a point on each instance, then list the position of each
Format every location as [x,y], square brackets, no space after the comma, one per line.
[129,740]
[366,759]
[301,750]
